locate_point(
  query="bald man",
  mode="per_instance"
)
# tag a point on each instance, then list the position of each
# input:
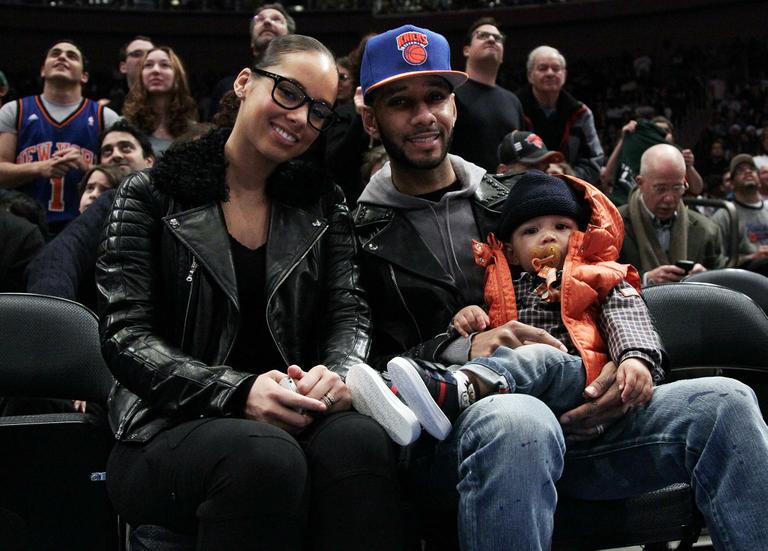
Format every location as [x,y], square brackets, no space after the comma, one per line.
[659,230]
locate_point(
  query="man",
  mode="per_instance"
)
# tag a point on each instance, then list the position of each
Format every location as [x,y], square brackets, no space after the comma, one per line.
[505,453]
[564,123]
[131,53]
[659,230]
[65,266]
[520,151]
[268,22]
[126,147]
[752,212]
[487,112]
[48,141]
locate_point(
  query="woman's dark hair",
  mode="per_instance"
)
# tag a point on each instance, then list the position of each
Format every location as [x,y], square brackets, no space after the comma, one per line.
[182,110]
[289,44]
[112,173]
[19,203]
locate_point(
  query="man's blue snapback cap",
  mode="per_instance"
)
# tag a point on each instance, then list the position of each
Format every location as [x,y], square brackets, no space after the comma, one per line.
[407,51]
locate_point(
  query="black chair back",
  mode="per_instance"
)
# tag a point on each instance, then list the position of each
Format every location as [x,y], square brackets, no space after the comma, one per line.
[49,347]
[52,468]
[709,326]
[752,284]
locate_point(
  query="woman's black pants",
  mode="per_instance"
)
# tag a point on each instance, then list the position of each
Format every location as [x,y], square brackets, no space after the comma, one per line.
[241,484]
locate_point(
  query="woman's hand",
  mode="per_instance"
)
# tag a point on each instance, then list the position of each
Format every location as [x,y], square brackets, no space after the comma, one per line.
[268,402]
[322,384]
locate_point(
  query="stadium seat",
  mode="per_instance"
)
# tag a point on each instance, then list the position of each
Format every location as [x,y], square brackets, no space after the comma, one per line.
[53,465]
[752,284]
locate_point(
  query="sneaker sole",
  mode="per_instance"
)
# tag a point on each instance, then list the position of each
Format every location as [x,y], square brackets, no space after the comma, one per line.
[371,397]
[414,391]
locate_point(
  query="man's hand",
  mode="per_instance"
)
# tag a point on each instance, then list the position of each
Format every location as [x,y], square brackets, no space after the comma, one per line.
[512,334]
[666,273]
[635,382]
[688,158]
[602,408]
[697,268]
[628,128]
[470,319]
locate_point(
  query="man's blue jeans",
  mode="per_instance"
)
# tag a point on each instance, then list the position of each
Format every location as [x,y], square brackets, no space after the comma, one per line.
[506,453]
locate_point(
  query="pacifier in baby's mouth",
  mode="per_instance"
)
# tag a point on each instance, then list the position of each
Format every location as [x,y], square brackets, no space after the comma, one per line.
[549,255]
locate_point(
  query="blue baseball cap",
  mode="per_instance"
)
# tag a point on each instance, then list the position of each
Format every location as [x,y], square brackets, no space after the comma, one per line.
[407,51]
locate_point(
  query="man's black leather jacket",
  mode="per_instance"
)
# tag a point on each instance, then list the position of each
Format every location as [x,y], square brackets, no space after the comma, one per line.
[169,299]
[412,298]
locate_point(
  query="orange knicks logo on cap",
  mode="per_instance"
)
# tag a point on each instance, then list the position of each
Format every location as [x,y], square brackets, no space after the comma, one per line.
[413,45]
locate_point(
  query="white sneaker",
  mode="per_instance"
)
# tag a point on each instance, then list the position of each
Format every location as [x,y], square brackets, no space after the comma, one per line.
[371,397]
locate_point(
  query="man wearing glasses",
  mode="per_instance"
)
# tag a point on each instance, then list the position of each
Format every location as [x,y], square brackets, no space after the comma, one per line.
[660,232]
[486,112]
[563,122]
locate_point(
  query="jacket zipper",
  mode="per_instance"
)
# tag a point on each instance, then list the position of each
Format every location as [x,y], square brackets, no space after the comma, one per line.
[402,301]
[125,419]
[280,282]
[191,280]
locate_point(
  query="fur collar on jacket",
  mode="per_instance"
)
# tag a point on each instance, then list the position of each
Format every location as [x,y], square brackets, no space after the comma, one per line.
[193,173]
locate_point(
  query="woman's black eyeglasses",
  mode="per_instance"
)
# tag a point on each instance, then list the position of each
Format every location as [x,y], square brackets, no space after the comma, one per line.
[290,95]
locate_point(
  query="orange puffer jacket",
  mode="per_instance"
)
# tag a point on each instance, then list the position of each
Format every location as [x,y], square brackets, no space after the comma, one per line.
[589,273]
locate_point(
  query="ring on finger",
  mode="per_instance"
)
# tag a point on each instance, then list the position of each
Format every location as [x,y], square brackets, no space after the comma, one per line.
[328,399]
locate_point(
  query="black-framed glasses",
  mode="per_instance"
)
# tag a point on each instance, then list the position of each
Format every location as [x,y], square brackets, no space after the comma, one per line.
[485,35]
[290,95]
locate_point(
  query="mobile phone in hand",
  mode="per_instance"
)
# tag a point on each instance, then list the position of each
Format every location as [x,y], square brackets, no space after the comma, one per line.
[686,265]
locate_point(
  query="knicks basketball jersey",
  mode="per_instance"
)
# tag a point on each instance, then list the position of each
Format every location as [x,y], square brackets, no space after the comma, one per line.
[40,136]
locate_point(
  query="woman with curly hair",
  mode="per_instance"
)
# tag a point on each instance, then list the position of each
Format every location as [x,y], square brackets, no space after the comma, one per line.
[160,103]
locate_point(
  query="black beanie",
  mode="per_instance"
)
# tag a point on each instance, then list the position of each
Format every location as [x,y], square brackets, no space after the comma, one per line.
[538,194]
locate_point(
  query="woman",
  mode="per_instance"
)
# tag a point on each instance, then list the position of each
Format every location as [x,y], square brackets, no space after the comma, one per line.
[222,266]
[159,102]
[97,180]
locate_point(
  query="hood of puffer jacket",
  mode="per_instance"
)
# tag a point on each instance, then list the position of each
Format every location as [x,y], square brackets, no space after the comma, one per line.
[604,235]
[193,173]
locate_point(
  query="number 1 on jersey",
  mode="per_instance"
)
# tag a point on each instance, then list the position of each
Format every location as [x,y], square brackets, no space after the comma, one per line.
[56,204]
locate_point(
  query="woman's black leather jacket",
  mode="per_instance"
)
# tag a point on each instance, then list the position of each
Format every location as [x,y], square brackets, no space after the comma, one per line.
[168,293]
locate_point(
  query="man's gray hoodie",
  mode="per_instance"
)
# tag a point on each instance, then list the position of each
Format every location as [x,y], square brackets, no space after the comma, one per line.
[446,226]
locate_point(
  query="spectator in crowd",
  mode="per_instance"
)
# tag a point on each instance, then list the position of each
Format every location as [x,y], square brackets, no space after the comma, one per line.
[48,141]
[4,87]
[268,22]
[487,112]
[124,146]
[557,169]
[624,163]
[20,240]
[659,230]
[21,204]
[131,55]
[373,161]
[97,180]
[752,212]
[347,81]
[506,453]
[66,266]
[564,123]
[242,276]
[520,151]
[160,103]
[714,163]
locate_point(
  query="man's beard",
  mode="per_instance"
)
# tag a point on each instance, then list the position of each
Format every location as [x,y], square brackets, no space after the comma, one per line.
[398,155]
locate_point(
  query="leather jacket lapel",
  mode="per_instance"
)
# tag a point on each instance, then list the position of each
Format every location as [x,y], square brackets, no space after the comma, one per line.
[398,243]
[204,233]
[292,232]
